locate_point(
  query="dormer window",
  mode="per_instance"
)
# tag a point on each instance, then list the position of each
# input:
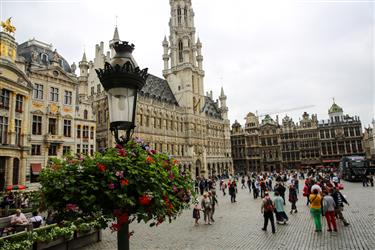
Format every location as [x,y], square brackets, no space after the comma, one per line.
[44,57]
[61,62]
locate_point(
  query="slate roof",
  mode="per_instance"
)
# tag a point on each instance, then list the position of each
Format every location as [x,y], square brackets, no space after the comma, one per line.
[211,108]
[158,88]
[25,50]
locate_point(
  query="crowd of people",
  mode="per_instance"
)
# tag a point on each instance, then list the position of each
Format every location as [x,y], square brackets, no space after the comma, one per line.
[322,192]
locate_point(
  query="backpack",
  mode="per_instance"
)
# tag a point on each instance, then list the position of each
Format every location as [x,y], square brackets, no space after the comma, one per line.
[268,206]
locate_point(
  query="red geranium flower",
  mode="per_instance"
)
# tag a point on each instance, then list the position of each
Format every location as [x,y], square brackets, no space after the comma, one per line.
[101,167]
[150,160]
[121,152]
[123,218]
[124,182]
[144,200]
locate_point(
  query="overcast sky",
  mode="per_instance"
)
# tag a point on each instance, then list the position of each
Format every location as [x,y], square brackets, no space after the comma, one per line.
[269,55]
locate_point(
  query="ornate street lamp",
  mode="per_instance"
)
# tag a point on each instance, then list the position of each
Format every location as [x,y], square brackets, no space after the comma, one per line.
[122,79]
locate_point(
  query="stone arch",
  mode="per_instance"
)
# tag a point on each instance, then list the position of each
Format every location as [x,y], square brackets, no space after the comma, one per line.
[198,167]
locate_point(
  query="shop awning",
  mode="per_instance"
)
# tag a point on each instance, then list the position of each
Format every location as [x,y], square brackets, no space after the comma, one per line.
[332,160]
[36,168]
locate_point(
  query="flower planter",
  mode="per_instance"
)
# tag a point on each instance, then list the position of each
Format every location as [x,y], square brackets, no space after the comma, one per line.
[51,244]
[79,240]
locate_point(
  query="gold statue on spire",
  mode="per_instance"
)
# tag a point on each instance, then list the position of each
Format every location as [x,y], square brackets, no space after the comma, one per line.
[7,26]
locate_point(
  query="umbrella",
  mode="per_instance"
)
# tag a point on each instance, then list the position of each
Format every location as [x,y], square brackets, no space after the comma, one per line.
[15,187]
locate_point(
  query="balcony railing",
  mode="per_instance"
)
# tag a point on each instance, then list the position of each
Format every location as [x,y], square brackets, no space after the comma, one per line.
[53,138]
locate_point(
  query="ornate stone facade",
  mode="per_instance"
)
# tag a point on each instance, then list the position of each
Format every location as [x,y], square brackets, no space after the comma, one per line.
[294,145]
[270,150]
[290,144]
[173,114]
[45,112]
[340,135]
[369,142]
[15,89]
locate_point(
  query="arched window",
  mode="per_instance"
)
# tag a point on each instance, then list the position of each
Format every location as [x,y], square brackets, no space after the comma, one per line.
[85,114]
[180,47]
[179,16]
[185,17]
[44,58]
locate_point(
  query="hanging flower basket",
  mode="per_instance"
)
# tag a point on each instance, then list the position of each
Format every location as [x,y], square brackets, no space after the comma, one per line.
[126,183]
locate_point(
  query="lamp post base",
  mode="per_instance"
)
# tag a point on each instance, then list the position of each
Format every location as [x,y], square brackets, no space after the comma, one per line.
[123,237]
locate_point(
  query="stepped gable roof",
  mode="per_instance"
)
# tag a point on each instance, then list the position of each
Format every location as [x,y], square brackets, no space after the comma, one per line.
[33,50]
[158,88]
[211,109]
[335,109]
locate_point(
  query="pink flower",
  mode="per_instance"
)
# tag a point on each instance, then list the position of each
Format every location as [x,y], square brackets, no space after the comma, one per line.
[175,189]
[171,176]
[119,146]
[71,207]
[120,174]
[111,186]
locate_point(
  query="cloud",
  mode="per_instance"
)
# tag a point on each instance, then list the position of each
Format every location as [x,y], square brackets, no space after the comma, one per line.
[268,54]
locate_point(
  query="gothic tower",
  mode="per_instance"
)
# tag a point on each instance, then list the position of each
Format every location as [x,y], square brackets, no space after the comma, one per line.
[83,75]
[183,59]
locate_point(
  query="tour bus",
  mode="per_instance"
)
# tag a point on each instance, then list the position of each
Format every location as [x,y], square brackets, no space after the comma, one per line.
[352,168]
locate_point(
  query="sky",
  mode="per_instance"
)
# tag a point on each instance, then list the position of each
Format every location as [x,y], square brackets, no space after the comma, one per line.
[268,55]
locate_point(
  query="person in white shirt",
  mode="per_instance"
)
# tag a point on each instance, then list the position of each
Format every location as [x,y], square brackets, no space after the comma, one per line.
[36,220]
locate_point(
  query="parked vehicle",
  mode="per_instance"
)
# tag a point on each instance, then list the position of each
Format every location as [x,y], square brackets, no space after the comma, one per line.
[352,168]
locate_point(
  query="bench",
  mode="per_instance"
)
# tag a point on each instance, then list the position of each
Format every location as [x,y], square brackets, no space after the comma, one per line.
[5,221]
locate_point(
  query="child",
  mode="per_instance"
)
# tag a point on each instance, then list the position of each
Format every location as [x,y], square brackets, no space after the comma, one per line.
[196,213]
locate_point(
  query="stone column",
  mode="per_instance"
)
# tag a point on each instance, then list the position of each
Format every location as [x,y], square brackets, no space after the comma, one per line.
[22,171]
[9,171]
[12,115]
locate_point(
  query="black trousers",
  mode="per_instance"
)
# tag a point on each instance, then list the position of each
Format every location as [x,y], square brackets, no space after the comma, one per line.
[269,216]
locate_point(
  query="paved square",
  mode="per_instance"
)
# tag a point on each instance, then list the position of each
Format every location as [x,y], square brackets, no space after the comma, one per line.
[238,226]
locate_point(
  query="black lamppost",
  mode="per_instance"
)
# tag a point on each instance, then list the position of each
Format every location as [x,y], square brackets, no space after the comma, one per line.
[122,79]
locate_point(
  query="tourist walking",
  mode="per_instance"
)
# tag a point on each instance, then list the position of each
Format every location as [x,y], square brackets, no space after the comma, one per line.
[281,216]
[223,187]
[232,191]
[196,213]
[281,189]
[329,211]
[339,202]
[293,199]
[267,210]
[212,196]
[249,183]
[243,182]
[206,206]
[315,209]
[201,186]
[255,190]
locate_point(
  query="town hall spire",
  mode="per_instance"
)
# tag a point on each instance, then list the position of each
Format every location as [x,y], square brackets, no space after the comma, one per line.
[183,58]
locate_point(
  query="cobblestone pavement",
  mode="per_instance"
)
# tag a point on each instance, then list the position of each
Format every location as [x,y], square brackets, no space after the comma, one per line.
[238,226]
